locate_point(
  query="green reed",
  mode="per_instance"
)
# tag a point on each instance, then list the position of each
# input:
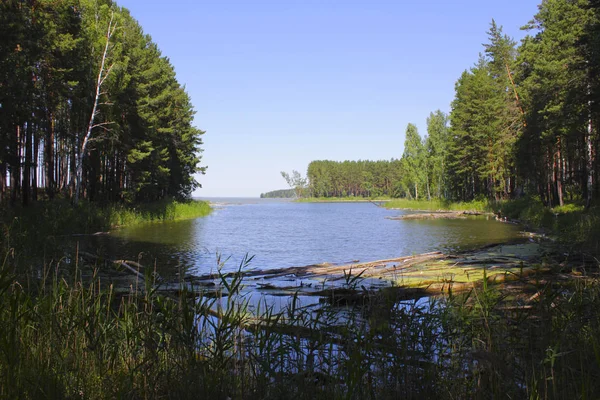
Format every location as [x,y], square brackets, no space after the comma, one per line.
[66,334]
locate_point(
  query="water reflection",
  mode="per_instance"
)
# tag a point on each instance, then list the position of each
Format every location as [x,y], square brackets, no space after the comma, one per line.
[282,234]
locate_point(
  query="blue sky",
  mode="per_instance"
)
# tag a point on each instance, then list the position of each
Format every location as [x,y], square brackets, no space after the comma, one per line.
[277,84]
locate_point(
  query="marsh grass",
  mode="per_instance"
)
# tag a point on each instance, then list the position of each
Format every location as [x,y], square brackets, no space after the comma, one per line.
[63,336]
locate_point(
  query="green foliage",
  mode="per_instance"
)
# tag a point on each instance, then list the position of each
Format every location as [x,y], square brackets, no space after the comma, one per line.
[576,228]
[279,194]
[440,205]
[41,228]
[347,199]
[436,146]
[143,145]
[555,80]
[67,336]
[353,179]
[161,211]
[413,160]
[297,183]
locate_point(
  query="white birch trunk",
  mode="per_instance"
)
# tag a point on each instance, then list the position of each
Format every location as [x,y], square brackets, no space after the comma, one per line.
[102,75]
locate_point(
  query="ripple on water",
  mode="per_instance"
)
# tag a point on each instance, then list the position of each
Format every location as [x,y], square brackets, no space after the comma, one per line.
[283,234]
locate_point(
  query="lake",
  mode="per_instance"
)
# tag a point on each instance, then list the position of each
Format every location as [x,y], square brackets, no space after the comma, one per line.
[280,233]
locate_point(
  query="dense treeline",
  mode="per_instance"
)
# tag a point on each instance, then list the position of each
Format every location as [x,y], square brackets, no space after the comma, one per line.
[420,170]
[279,194]
[89,108]
[524,120]
[352,178]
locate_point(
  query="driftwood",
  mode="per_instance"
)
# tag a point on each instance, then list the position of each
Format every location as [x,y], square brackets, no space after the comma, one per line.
[125,264]
[373,268]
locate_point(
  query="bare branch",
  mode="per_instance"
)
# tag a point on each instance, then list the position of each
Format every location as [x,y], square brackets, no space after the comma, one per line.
[102,124]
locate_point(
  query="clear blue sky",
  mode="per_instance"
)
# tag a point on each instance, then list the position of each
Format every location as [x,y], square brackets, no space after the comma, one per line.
[277,84]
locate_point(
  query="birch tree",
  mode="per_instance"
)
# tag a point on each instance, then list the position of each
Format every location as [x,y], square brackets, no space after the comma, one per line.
[103,73]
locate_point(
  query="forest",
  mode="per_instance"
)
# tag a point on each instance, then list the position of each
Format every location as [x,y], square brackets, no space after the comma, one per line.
[89,108]
[279,194]
[523,122]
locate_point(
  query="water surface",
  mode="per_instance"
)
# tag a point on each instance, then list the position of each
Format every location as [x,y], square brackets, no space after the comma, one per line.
[284,233]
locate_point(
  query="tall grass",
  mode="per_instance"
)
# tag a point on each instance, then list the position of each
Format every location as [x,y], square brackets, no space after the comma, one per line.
[157,212]
[40,229]
[65,337]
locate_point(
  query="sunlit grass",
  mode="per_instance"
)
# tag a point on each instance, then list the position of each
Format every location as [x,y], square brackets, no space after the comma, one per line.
[347,199]
[157,212]
[439,205]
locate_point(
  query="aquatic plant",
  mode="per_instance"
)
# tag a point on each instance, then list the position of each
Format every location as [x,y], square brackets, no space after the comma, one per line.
[66,334]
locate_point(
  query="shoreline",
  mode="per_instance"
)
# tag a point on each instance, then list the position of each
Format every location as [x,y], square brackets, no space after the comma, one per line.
[422,275]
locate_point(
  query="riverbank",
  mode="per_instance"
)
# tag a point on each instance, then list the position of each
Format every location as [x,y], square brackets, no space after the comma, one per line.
[158,212]
[518,319]
[40,228]
[576,228]
[342,200]
[438,205]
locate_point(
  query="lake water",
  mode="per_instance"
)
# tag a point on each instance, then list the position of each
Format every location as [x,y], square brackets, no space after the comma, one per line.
[282,233]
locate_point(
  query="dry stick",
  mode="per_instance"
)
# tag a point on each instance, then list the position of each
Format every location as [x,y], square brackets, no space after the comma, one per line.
[122,263]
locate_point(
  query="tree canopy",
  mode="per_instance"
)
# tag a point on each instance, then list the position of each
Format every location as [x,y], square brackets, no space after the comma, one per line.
[523,121]
[89,107]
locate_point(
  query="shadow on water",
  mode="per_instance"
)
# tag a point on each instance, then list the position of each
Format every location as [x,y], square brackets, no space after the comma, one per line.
[286,234]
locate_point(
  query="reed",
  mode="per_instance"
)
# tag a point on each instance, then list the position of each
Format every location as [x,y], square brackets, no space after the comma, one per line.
[66,336]
[40,229]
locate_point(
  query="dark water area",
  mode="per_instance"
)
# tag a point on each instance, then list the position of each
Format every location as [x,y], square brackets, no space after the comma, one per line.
[283,234]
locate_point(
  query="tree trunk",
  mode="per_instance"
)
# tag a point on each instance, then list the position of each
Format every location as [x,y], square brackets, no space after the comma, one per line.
[2,180]
[102,75]
[589,165]
[15,170]
[27,165]
[559,174]
[34,177]
[49,158]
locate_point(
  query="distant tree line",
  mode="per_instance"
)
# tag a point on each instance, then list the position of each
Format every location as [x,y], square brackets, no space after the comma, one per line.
[89,108]
[524,120]
[352,178]
[279,194]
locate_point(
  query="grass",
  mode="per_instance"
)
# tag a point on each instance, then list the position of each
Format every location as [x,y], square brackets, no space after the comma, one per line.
[64,334]
[576,228]
[41,230]
[347,199]
[157,212]
[65,337]
[440,205]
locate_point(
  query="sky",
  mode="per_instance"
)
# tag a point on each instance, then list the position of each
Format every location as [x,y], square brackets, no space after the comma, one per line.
[278,84]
